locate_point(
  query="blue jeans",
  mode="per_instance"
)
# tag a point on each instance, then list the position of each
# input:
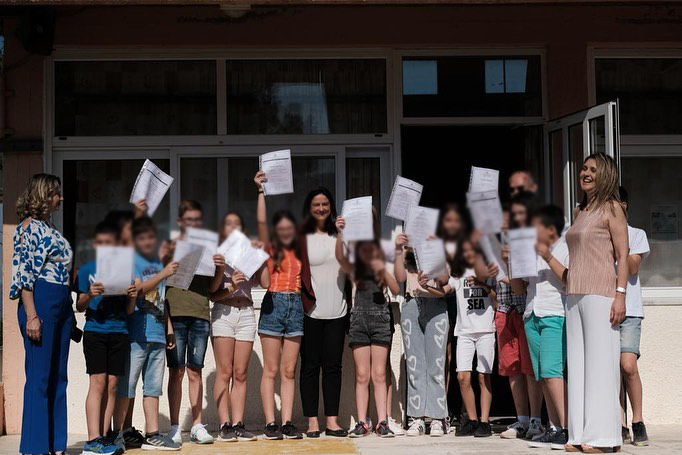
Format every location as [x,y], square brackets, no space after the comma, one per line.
[148,360]
[43,427]
[191,340]
[281,315]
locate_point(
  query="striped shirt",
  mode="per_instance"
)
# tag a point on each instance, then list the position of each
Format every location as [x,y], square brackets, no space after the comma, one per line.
[593,262]
[287,277]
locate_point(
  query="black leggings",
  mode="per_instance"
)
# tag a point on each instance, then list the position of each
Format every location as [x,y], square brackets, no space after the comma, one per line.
[322,347]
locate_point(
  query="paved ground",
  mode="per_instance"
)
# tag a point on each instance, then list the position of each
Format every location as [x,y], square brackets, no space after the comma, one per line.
[665,440]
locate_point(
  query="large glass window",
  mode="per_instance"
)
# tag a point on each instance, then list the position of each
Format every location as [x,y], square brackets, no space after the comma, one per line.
[222,184]
[509,86]
[130,98]
[93,188]
[649,91]
[345,96]
[655,191]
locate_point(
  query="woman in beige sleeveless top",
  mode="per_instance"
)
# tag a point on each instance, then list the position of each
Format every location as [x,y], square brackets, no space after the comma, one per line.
[595,306]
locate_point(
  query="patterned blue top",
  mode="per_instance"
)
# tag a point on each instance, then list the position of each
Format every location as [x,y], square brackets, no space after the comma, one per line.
[40,252]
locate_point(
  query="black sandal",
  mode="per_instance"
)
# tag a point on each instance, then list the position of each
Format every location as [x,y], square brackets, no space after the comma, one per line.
[313,434]
[340,433]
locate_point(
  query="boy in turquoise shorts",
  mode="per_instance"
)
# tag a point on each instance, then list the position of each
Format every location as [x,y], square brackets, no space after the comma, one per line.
[544,321]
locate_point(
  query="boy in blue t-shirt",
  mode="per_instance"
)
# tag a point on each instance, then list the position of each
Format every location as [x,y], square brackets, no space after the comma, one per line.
[105,345]
[150,334]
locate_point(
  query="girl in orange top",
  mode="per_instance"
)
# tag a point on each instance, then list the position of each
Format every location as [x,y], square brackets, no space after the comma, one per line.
[281,318]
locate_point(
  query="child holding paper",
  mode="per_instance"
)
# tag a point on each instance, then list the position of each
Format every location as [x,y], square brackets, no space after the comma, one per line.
[544,321]
[424,323]
[370,328]
[150,334]
[105,345]
[233,330]
[280,326]
[475,329]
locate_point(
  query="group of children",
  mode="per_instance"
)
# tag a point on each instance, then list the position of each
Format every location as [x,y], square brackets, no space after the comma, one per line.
[466,316]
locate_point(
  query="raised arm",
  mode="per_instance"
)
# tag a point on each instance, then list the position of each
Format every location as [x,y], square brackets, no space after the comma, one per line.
[147,286]
[618,228]
[345,264]
[217,279]
[399,264]
[261,211]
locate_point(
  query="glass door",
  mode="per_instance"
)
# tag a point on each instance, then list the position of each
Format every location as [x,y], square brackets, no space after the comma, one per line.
[569,140]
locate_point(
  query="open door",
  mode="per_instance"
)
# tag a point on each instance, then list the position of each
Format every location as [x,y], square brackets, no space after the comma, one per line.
[569,140]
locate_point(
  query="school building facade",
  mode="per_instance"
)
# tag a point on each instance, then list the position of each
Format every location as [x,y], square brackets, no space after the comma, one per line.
[360,92]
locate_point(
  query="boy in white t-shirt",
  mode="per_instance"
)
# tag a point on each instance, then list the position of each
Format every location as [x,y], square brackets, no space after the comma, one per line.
[630,333]
[544,321]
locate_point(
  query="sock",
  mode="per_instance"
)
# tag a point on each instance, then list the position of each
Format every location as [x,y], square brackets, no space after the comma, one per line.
[127,430]
[536,420]
[153,433]
[523,420]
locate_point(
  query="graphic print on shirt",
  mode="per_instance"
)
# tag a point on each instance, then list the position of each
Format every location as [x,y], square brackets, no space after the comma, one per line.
[475,310]
[153,302]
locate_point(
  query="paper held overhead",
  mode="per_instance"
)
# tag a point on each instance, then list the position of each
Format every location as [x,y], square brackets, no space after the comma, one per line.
[240,255]
[151,184]
[420,224]
[188,256]
[278,172]
[357,213]
[114,269]
[483,179]
[430,256]
[486,211]
[405,193]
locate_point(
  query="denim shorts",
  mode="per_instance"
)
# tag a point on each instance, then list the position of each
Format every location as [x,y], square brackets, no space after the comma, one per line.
[148,360]
[281,315]
[630,333]
[370,326]
[191,339]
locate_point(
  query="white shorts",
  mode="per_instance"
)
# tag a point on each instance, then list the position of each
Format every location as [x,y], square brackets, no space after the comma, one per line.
[233,322]
[483,344]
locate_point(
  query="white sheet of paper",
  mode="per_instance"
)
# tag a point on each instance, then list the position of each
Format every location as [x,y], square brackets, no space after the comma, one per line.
[483,179]
[240,255]
[209,241]
[114,269]
[523,260]
[405,193]
[278,171]
[492,249]
[420,224]
[188,255]
[486,211]
[357,213]
[152,184]
[430,256]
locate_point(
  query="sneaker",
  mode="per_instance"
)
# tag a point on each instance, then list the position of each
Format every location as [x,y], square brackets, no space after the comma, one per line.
[639,436]
[101,446]
[436,429]
[383,430]
[539,436]
[227,433]
[625,433]
[395,427]
[117,438]
[559,440]
[483,430]
[199,435]
[158,441]
[175,433]
[133,438]
[242,433]
[361,430]
[447,428]
[289,431]
[534,429]
[514,431]
[416,428]
[468,428]
[272,432]
[545,440]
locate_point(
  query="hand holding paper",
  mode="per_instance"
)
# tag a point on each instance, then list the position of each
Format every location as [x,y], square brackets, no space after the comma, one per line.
[278,172]
[188,256]
[420,224]
[492,249]
[523,260]
[152,184]
[359,222]
[240,255]
[486,211]
[430,256]
[114,269]
[208,240]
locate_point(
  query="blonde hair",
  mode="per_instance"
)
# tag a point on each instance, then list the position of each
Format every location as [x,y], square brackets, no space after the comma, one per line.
[35,201]
[606,181]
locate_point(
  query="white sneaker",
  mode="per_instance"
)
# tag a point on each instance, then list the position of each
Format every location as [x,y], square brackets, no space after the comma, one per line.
[417,428]
[514,431]
[175,433]
[437,428]
[395,427]
[199,435]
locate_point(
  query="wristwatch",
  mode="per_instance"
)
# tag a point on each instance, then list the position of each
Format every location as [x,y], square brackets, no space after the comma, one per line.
[620,289]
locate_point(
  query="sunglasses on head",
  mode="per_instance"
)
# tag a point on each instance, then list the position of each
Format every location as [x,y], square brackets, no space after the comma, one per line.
[514,189]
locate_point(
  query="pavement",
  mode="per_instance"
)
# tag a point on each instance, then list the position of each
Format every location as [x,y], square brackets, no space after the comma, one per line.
[665,439]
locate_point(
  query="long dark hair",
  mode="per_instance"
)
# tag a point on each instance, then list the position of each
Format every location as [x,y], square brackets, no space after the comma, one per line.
[277,248]
[221,227]
[360,270]
[309,224]
[458,265]
[445,209]
[527,199]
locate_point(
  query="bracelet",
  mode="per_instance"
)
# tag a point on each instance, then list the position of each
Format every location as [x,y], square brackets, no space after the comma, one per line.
[261,191]
[621,290]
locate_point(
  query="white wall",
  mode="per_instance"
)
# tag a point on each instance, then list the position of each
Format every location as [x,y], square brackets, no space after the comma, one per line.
[660,367]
